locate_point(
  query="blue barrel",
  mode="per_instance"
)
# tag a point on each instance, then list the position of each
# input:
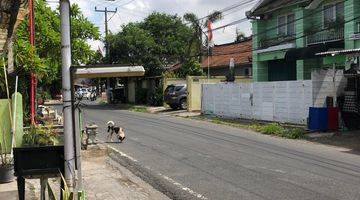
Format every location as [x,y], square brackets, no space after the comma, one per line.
[318,119]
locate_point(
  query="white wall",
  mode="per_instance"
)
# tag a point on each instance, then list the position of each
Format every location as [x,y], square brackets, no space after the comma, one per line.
[282,101]
[323,85]
[286,101]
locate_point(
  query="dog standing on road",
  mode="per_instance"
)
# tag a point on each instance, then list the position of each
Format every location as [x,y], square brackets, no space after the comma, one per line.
[119,131]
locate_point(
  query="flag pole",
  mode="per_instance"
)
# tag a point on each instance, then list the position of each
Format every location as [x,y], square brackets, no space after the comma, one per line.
[208,59]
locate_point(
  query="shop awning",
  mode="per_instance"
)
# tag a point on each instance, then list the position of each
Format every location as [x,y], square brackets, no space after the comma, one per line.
[305,52]
[311,51]
[108,71]
[340,52]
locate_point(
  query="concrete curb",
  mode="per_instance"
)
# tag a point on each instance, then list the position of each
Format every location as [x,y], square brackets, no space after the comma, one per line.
[160,182]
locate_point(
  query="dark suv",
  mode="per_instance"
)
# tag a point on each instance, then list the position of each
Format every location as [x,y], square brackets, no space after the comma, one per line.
[176,96]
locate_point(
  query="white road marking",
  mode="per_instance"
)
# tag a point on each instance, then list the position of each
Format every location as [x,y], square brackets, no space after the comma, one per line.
[122,154]
[200,196]
[172,181]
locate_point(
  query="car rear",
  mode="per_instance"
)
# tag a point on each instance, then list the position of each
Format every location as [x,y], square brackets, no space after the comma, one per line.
[174,94]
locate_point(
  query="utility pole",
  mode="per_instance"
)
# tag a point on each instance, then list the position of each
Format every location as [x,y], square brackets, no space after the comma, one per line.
[69,151]
[107,48]
[106,11]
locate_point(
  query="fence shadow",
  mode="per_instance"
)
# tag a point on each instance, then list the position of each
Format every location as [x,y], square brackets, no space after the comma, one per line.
[349,140]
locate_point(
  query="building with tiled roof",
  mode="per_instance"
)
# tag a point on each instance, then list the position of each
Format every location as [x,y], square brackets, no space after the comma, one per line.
[220,57]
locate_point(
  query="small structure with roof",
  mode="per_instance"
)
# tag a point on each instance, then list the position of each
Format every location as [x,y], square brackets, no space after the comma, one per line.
[219,59]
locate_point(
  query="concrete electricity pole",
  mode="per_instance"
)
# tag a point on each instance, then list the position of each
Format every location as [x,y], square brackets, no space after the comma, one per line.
[107,48]
[69,151]
[106,11]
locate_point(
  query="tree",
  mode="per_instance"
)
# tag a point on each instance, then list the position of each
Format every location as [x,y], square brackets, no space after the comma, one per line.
[45,59]
[195,44]
[159,41]
[190,68]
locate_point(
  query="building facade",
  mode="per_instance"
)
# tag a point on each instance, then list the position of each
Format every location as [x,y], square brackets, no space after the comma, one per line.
[219,60]
[288,33]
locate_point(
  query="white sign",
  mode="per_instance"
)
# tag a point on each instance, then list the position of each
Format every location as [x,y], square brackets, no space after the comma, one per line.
[355,36]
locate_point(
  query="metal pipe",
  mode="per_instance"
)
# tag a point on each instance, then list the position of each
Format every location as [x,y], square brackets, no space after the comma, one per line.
[66,87]
[76,134]
[32,75]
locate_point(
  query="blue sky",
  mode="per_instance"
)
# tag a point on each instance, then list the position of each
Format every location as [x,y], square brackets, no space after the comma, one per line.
[136,10]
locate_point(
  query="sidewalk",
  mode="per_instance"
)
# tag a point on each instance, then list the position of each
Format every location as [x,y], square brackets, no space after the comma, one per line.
[103,179]
[9,191]
[106,180]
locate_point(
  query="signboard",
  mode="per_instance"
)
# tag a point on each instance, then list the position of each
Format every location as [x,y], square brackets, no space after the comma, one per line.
[355,36]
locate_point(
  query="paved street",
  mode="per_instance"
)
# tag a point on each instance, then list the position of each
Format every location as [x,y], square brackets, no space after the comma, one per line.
[216,162]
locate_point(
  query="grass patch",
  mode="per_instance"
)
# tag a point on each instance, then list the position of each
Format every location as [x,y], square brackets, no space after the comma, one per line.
[142,109]
[101,102]
[278,130]
[268,129]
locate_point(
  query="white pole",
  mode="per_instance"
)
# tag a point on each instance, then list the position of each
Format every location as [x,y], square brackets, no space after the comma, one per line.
[208,59]
[13,141]
[7,90]
[69,153]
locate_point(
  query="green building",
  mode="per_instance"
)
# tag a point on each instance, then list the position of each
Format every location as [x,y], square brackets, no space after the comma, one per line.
[288,33]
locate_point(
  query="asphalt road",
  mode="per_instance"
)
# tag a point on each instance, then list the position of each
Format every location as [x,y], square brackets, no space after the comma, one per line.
[212,161]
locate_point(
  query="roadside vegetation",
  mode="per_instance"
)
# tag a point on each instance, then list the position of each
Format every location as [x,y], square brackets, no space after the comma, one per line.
[274,129]
[142,109]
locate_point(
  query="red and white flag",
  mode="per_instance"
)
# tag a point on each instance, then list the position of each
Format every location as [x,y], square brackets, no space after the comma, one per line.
[100,51]
[210,33]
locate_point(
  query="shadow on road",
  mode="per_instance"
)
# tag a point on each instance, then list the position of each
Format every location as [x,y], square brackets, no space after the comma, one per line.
[349,140]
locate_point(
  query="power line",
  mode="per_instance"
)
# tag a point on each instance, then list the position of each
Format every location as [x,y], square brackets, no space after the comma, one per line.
[231,7]
[272,28]
[106,11]
[280,42]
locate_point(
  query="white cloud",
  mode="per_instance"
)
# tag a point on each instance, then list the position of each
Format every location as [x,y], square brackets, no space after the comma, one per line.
[138,9]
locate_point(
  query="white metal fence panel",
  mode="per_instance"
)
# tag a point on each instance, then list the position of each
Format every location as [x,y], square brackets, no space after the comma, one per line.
[285,101]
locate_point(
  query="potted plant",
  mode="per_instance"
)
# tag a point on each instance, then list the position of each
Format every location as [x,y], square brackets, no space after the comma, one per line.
[40,154]
[6,165]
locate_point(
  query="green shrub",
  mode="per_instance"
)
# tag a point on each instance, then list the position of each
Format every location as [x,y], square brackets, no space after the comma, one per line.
[294,133]
[278,130]
[272,129]
[142,109]
[39,135]
[156,98]
[141,95]
[256,127]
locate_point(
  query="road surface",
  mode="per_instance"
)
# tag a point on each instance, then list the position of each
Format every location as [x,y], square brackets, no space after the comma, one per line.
[210,161]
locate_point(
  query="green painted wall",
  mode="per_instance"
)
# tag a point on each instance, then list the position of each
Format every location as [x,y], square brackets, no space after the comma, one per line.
[304,68]
[306,21]
[260,71]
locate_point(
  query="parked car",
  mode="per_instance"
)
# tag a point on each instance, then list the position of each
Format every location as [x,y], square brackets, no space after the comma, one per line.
[83,93]
[176,96]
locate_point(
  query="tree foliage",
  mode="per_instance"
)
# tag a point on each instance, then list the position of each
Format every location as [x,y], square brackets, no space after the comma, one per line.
[191,68]
[45,58]
[159,41]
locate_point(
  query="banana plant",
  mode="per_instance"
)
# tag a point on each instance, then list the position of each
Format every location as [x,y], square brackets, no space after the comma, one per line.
[66,193]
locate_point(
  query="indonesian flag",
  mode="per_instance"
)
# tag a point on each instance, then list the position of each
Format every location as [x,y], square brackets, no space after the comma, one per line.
[210,34]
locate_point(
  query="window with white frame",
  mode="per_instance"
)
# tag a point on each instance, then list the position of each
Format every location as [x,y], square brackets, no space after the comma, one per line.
[333,13]
[286,25]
